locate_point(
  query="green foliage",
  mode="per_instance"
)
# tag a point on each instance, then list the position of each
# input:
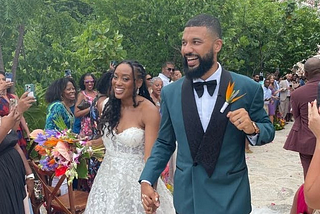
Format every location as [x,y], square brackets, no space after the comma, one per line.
[96,47]
[84,36]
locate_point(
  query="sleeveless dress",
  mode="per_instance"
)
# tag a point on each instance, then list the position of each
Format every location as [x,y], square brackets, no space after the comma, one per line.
[116,189]
[86,129]
[12,179]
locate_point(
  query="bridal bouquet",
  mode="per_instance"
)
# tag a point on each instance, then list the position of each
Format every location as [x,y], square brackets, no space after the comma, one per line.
[63,152]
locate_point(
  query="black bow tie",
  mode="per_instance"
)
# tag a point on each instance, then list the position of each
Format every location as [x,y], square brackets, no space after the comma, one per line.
[211,86]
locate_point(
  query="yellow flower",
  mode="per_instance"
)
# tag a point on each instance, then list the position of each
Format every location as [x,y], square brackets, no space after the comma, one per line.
[231,96]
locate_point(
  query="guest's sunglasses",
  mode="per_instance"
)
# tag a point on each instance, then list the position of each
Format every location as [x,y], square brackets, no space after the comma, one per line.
[170,69]
[149,78]
[89,81]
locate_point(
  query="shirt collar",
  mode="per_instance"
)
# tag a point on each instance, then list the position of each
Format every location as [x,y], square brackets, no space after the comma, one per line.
[215,76]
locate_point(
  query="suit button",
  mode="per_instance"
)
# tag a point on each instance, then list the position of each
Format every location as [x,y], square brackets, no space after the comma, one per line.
[195,164]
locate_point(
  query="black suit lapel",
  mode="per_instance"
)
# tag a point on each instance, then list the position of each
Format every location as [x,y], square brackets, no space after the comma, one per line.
[191,119]
[209,149]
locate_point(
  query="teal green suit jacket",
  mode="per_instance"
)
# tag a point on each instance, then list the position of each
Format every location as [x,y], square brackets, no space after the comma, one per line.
[227,190]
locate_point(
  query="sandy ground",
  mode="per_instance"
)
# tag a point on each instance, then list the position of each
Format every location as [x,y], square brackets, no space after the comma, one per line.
[275,174]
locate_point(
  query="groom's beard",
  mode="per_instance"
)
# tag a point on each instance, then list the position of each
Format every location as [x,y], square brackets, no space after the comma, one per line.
[205,64]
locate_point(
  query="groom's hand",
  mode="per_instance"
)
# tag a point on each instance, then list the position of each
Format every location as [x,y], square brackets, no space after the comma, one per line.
[149,198]
[240,118]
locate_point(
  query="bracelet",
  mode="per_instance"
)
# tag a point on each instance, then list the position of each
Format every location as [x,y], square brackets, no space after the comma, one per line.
[30,176]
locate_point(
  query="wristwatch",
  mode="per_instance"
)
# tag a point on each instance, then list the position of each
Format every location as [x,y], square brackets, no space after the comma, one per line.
[256,128]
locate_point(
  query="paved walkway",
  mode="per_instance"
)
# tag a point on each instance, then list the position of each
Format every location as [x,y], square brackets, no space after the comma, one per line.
[275,174]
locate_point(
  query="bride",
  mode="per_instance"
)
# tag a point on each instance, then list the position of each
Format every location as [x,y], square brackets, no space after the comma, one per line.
[129,126]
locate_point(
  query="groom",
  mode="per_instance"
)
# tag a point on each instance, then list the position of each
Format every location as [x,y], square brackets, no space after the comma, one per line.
[211,173]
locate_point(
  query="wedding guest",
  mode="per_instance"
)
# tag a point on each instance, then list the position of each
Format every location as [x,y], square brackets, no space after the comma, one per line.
[300,138]
[274,98]
[15,170]
[166,72]
[211,174]
[156,85]
[176,75]
[103,87]
[5,109]
[129,126]
[148,79]
[84,101]
[60,95]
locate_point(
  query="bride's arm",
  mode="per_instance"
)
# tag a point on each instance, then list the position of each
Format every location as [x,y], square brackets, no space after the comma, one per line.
[151,120]
[95,142]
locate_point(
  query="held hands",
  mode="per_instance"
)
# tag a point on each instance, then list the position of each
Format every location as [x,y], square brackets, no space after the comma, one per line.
[240,118]
[314,118]
[149,198]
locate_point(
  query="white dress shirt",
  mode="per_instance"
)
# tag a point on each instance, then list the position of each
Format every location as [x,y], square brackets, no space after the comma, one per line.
[206,103]
[165,79]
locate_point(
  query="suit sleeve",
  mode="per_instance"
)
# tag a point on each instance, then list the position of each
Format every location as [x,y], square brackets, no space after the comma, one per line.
[163,148]
[260,117]
[294,105]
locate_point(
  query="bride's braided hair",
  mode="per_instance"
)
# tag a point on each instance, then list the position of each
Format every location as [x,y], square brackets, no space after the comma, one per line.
[112,111]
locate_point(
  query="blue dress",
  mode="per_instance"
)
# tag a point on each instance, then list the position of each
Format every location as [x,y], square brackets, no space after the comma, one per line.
[56,110]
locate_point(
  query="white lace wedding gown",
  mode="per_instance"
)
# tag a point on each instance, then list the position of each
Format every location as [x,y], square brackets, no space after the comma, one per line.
[116,189]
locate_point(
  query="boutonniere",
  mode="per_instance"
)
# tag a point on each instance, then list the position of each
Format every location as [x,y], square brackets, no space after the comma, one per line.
[231,96]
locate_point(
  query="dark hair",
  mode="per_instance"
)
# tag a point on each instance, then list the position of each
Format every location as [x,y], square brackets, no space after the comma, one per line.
[208,21]
[104,83]
[8,89]
[112,111]
[81,81]
[167,63]
[55,90]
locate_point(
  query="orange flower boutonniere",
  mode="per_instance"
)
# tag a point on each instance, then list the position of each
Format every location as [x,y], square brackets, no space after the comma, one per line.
[231,96]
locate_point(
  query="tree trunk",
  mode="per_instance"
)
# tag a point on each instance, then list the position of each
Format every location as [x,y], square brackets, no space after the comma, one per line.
[1,61]
[16,56]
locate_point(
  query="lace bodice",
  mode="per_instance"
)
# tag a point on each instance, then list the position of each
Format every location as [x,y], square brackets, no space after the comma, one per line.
[130,141]
[116,189]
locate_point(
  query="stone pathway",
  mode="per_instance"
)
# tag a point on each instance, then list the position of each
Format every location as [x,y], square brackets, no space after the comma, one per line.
[275,174]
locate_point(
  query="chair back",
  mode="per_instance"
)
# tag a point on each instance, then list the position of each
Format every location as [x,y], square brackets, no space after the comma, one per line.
[71,203]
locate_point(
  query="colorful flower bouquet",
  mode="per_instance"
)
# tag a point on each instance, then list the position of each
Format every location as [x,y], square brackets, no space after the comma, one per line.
[64,153]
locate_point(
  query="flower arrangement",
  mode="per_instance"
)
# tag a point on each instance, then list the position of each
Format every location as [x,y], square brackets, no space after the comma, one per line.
[63,152]
[231,96]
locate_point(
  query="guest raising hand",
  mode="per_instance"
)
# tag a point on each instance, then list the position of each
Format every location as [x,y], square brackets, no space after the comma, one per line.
[312,181]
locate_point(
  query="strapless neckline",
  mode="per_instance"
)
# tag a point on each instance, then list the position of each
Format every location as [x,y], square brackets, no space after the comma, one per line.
[128,129]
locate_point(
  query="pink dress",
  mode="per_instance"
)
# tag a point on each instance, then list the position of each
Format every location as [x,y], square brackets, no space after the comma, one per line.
[86,129]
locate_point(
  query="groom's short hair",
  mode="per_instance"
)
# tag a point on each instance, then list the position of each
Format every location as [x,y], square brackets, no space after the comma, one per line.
[208,21]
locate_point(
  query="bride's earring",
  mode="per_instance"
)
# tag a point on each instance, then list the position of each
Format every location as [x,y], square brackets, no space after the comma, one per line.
[138,90]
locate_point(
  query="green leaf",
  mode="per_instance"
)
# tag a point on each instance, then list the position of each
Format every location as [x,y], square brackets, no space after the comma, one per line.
[82,169]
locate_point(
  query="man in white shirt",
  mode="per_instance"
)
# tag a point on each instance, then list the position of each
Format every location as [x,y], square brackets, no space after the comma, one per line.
[166,72]
[267,93]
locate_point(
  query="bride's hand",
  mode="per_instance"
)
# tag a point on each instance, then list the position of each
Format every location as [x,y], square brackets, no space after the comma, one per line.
[149,198]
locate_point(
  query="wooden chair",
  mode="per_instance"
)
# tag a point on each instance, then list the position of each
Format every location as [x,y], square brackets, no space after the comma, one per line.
[71,203]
